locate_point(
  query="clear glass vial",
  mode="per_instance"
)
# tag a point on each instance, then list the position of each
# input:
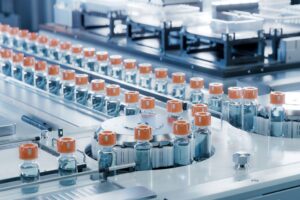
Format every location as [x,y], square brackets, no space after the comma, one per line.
[90,62]
[28,70]
[202,136]
[130,71]
[32,43]
[67,163]
[276,114]
[143,148]
[42,46]
[132,103]
[53,48]
[18,66]
[68,85]
[20,41]
[195,109]
[6,62]
[113,100]
[77,57]
[13,34]
[147,105]
[145,75]
[41,79]
[182,143]
[196,94]
[98,94]
[235,95]
[29,168]
[178,90]
[116,67]
[54,81]
[5,29]
[106,153]
[161,80]
[81,91]
[103,63]
[249,108]
[64,55]
[215,97]
[174,109]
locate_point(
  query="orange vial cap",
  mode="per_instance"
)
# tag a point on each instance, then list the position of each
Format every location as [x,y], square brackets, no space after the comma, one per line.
[130,63]
[196,83]
[89,52]
[132,97]
[14,31]
[42,39]
[76,48]
[40,66]
[202,119]
[147,103]
[81,79]
[250,93]
[199,108]
[113,90]
[28,62]
[143,132]
[98,85]
[33,36]
[65,46]
[107,138]
[178,77]
[18,57]
[53,70]
[28,151]
[145,68]
[235,92]
[161,73]
[277,98]
[66,145]
[174,106]
[68,75]
[5,28]
[102,55]
[23,33]
[181,127]
[115,60]
[216,88]
[54,43]
[6,53]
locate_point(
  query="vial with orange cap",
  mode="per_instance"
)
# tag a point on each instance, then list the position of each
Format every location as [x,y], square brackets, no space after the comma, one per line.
[42,46]
[65,52]
[77,56]
[130,71]
[147,105]
[276,114]
[29,168]
[41,79]
[202,136]
[20,41]
[235,96]
[90,62]
[54,81]
[103,63]
[178,89]
[68,84]
[18,66]
[215,97]
[196,86]
[81,90]
[174,109]
[145,75]
[131,101]
[161,80]
[67,163]
[54,49]
[249,108]
[113,100]
[6,62]
[5,29]
[13,33]
[143,147]
[98,94]
[31,41]
[116,67]
[28,70]
[195,109]
[106,153]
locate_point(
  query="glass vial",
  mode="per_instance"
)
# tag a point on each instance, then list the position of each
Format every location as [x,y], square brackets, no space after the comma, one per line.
[32,43]
[90,62]
[182,143]
[161,80]
[20,41]
[235,95]
[249,108]
[215,97]
[67,163]
[41,75]
[29,169]
[113,100]
[106,154]
[130,73]
[276,114]
[196,94]
[68,85]
[77,57]
[174,109]
[98,94]
[145,75]
[103,63]
[195,109]
[116,67]
[81,92]
[143,148]
[148,113]
[13,34]
[178,90]
[18,66]
[53,48]
[6,62]
[28,70]
[42,45]
[131,101]
[5,29]
[64,55]
[54,81]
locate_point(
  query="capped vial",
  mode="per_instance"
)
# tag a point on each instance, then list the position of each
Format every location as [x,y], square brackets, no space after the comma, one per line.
[178,90]
[67,163]
[68,84]
[215,97]
[54,51]
[77,57]
[54,82]
[32,46]
[90,62]
[98,94]
[18,66]
[130,71]
[28,71]
[235,95]
[182,143]
[195,109]
[174,109]
[147,105]
[6,62]
[196,86]
[249,108]
[113,100]
[143,148]
[13,33]
[103,63]
[41,81]
[81,91]
[106,153]
[29,168]
[145,75]
[202,136]
[65,52]
[116,67]
[276,114]
[131,101]
[20,41]
[42,46]
[161,80]
[5,29]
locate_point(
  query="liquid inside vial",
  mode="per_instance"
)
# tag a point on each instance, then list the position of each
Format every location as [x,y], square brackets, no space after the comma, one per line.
[29,173]
[113,108]
[131,110]
[103,68]
[44,51]
[33,48]
[215,103]
[18,72]
[143,156]
[179,92]
[67,58]
[106,160]
[67,166]
[92,66]
[41,81]
[5,40]
[235,114]
[69,91]
[7,68]
[56,54]
[82,96]
[250,112]
[277,116]
[145,82]
[196,97]
[202,144]
[78,61]
[161,87]
[116,73]
[29,77]
[98,102]
[182,152]
[54,86]
[130,77]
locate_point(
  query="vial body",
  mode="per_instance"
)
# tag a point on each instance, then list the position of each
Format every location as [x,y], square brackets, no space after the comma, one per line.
[106,158]
[142,151]
[235,113]
[69,90]
[28,76]
[249,114]
[29,173]
[77,60]
[161,85]
[113,106]
[276,120]
[196,96]
[145,81]
[43,50]
[98,101]
[5,39]
[130,76]
[32,47]
[215,102]
[91,64]
[41,80]
[182,151]
[54,53]
[117,72]
[54,85]
[18,71]
[7,67]
[178,91]
[172,116]
[131,109]
[81,95]
[20,43]
[67,165]
[103,67]
[202,143]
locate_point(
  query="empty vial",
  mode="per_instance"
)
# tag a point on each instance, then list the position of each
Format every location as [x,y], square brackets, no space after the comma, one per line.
[28,70]
[68,84]
[20,41]
[196,86]
[102,57]
[130,71]
[195,109]
[29,169]
[53,48]
[65,53]
[90,62]
[32,43]
[41,75]
[182,143]
[113,100]
[5,29]
[178,90]
[97,94]
[142,148]
[116,67]
[276,114]
[54,81]
[161,80]
[215,97]
[249,108]
[235,95]
[174,109]
[202,136]
[106,153]
[145,75]
[131,101]
[67,163]
[81,92]
[42,46]
[6,62]
[148,113]
[13,34]
[77,57]
[18,66]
